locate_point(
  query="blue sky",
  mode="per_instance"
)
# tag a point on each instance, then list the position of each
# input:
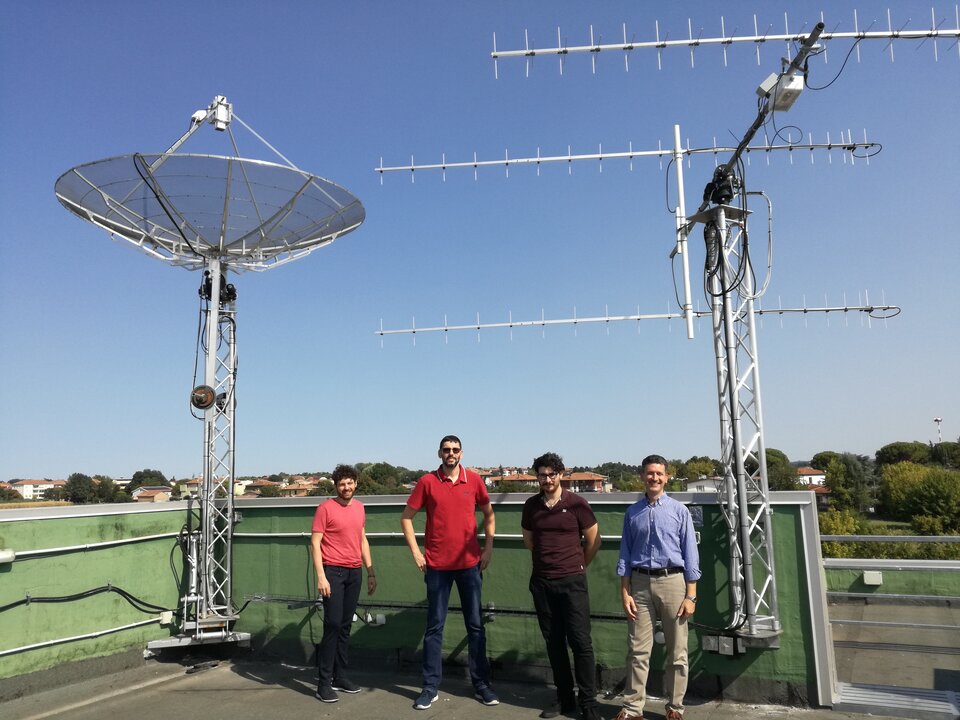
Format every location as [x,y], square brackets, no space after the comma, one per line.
[96,339]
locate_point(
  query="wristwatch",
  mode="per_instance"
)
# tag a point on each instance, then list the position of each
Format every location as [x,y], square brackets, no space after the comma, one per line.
[691,598]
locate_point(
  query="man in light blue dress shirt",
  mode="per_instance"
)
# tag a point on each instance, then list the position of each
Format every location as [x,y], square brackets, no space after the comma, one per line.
[659,567]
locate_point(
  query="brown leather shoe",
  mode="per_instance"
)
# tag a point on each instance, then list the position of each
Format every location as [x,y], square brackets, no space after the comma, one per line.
[624,714]
[674,714]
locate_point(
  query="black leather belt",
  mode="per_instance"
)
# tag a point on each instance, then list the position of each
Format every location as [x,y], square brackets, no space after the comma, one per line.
[658,572]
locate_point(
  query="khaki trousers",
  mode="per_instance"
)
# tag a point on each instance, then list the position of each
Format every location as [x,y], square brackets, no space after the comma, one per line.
[656,597]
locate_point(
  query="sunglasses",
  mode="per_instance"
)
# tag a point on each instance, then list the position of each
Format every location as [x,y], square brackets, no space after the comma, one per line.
[447,451]
[548,476]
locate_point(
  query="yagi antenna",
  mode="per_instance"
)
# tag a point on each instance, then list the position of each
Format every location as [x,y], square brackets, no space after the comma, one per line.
[846,145]
[876,312]
[725,40]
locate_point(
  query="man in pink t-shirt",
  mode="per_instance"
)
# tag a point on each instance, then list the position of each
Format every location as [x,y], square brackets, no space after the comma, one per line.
[451,495]
[338,545]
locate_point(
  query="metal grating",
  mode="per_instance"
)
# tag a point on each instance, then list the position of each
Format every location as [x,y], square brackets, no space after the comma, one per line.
[888,701]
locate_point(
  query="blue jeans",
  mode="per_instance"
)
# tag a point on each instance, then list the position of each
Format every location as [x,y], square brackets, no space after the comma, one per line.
[469,582]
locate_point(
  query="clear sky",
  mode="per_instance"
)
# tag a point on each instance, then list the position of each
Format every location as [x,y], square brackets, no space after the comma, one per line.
[97,339]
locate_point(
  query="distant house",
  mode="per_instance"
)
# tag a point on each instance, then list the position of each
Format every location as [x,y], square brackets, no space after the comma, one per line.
[811,476]
[584,482]
[35,489]
[823,495]
[263,482]
[255,489]
[703,484]
[189,487]
[154,495]
[522,478]
[300,489]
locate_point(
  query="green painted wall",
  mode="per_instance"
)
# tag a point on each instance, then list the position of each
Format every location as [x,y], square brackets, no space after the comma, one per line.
[276,574]
[147,569]
[895,582]
[282,569]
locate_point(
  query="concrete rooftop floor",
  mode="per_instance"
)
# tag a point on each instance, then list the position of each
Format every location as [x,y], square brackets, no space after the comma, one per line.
[248,690]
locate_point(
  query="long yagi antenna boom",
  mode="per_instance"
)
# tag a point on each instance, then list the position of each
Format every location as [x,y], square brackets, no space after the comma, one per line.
[868,147]
[874,311]
[723,40]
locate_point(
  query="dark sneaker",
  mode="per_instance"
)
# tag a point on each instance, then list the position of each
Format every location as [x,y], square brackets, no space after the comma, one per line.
[558,708]
[427,698]
[346,685]
[327,694]
[591,712]
[486,696]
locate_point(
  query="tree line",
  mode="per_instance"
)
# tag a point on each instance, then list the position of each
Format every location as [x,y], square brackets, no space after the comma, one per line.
[83,489]
[914,484]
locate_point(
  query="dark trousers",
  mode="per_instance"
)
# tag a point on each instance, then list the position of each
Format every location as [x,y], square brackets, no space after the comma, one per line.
[469,584]
[338,610]
[563,609]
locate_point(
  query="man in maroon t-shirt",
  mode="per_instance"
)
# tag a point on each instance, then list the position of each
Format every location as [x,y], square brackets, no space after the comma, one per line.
[561,531]
[451,495]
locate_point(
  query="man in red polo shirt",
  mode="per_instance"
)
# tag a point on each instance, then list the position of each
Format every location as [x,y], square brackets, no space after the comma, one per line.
[451,495]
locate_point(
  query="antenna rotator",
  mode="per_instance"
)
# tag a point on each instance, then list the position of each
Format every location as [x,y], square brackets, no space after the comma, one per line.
[720,190]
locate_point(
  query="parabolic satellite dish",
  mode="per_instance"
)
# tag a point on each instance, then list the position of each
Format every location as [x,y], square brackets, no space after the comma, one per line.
[187,209]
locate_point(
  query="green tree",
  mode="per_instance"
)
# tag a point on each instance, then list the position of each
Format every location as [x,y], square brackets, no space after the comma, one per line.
[838,522]
[699,466]
[147,477]
[946,454]
[324,488]
[270,491]
[106,489]
[849,480]
[938,496]
[898,484]
[822,459]
[781,475]
[9,494]
[614,470]
[80,489]
[915,452]
[628,482]
[380,478]
[512,486]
